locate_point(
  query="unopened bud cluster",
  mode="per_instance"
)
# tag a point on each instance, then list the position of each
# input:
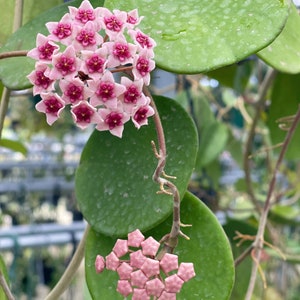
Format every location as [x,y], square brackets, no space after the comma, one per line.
[142,275]
[75,65]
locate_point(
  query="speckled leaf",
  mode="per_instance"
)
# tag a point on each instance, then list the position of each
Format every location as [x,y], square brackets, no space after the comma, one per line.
[195,36]
[284,53]
[208,249]
[114,185]
[13,71]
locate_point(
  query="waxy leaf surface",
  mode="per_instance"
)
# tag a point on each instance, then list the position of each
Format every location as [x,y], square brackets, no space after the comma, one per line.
[208,248]
[114,185]
[196,36]
[284,53]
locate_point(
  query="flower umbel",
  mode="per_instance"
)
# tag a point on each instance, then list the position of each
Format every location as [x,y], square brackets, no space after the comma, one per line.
[143,275]
[76,63]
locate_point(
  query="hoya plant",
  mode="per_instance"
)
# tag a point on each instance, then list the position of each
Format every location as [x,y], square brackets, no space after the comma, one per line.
[147,235]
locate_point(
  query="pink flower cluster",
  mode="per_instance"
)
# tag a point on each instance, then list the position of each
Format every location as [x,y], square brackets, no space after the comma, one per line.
[143,275]
[75,64]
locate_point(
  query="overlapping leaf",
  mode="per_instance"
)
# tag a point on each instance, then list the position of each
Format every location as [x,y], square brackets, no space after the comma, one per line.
[196,36]
[210,253]
[284,54]
[114,185]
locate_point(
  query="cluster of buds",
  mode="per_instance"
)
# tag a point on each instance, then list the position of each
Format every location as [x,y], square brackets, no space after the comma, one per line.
[143,275]
[76,62]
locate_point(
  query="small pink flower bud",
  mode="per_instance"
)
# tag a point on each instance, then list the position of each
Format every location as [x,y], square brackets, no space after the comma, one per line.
[135,238]
[173,283]
[112,261]
[124,287]
[154,287]
[167,296]
[138,279]
[99,263]
[140,294]
[137,259]
[169,262]
[150,267]
[121,247]
[186,271]
[124,271]
[150,246]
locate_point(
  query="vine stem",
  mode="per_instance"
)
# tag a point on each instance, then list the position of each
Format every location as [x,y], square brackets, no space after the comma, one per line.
[70,271]
[268,80]
[10,54]
[264,87]
[259,240]
[170,240]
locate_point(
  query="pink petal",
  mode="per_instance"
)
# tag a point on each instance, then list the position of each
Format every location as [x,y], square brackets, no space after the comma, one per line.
[99,263]
[150,246]
[186,271]
[135,238]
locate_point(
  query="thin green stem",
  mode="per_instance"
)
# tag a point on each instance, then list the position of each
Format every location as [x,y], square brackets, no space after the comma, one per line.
[18,14]
[3,107]
[70,272]
[5,287]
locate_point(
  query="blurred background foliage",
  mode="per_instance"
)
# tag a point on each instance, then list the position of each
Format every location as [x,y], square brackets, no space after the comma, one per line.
[232,121]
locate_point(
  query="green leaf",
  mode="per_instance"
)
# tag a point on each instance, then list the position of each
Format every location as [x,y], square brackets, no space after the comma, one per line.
[212,142]
[13,71]
[208,249]
[113,183]
[235,76]
[30,10]
[14,145]
[285,214]
[285,101]
[283,54]
[198,36]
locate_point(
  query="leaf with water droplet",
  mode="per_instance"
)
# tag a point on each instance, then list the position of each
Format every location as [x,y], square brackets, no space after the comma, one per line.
[198,36]
[208,249]
[111,167]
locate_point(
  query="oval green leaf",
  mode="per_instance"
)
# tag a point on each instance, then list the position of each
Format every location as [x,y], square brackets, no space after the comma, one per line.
[208,248]
[197,36]
[213,140]
[113,183]
[13,71]
[283,54]
[14,146]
